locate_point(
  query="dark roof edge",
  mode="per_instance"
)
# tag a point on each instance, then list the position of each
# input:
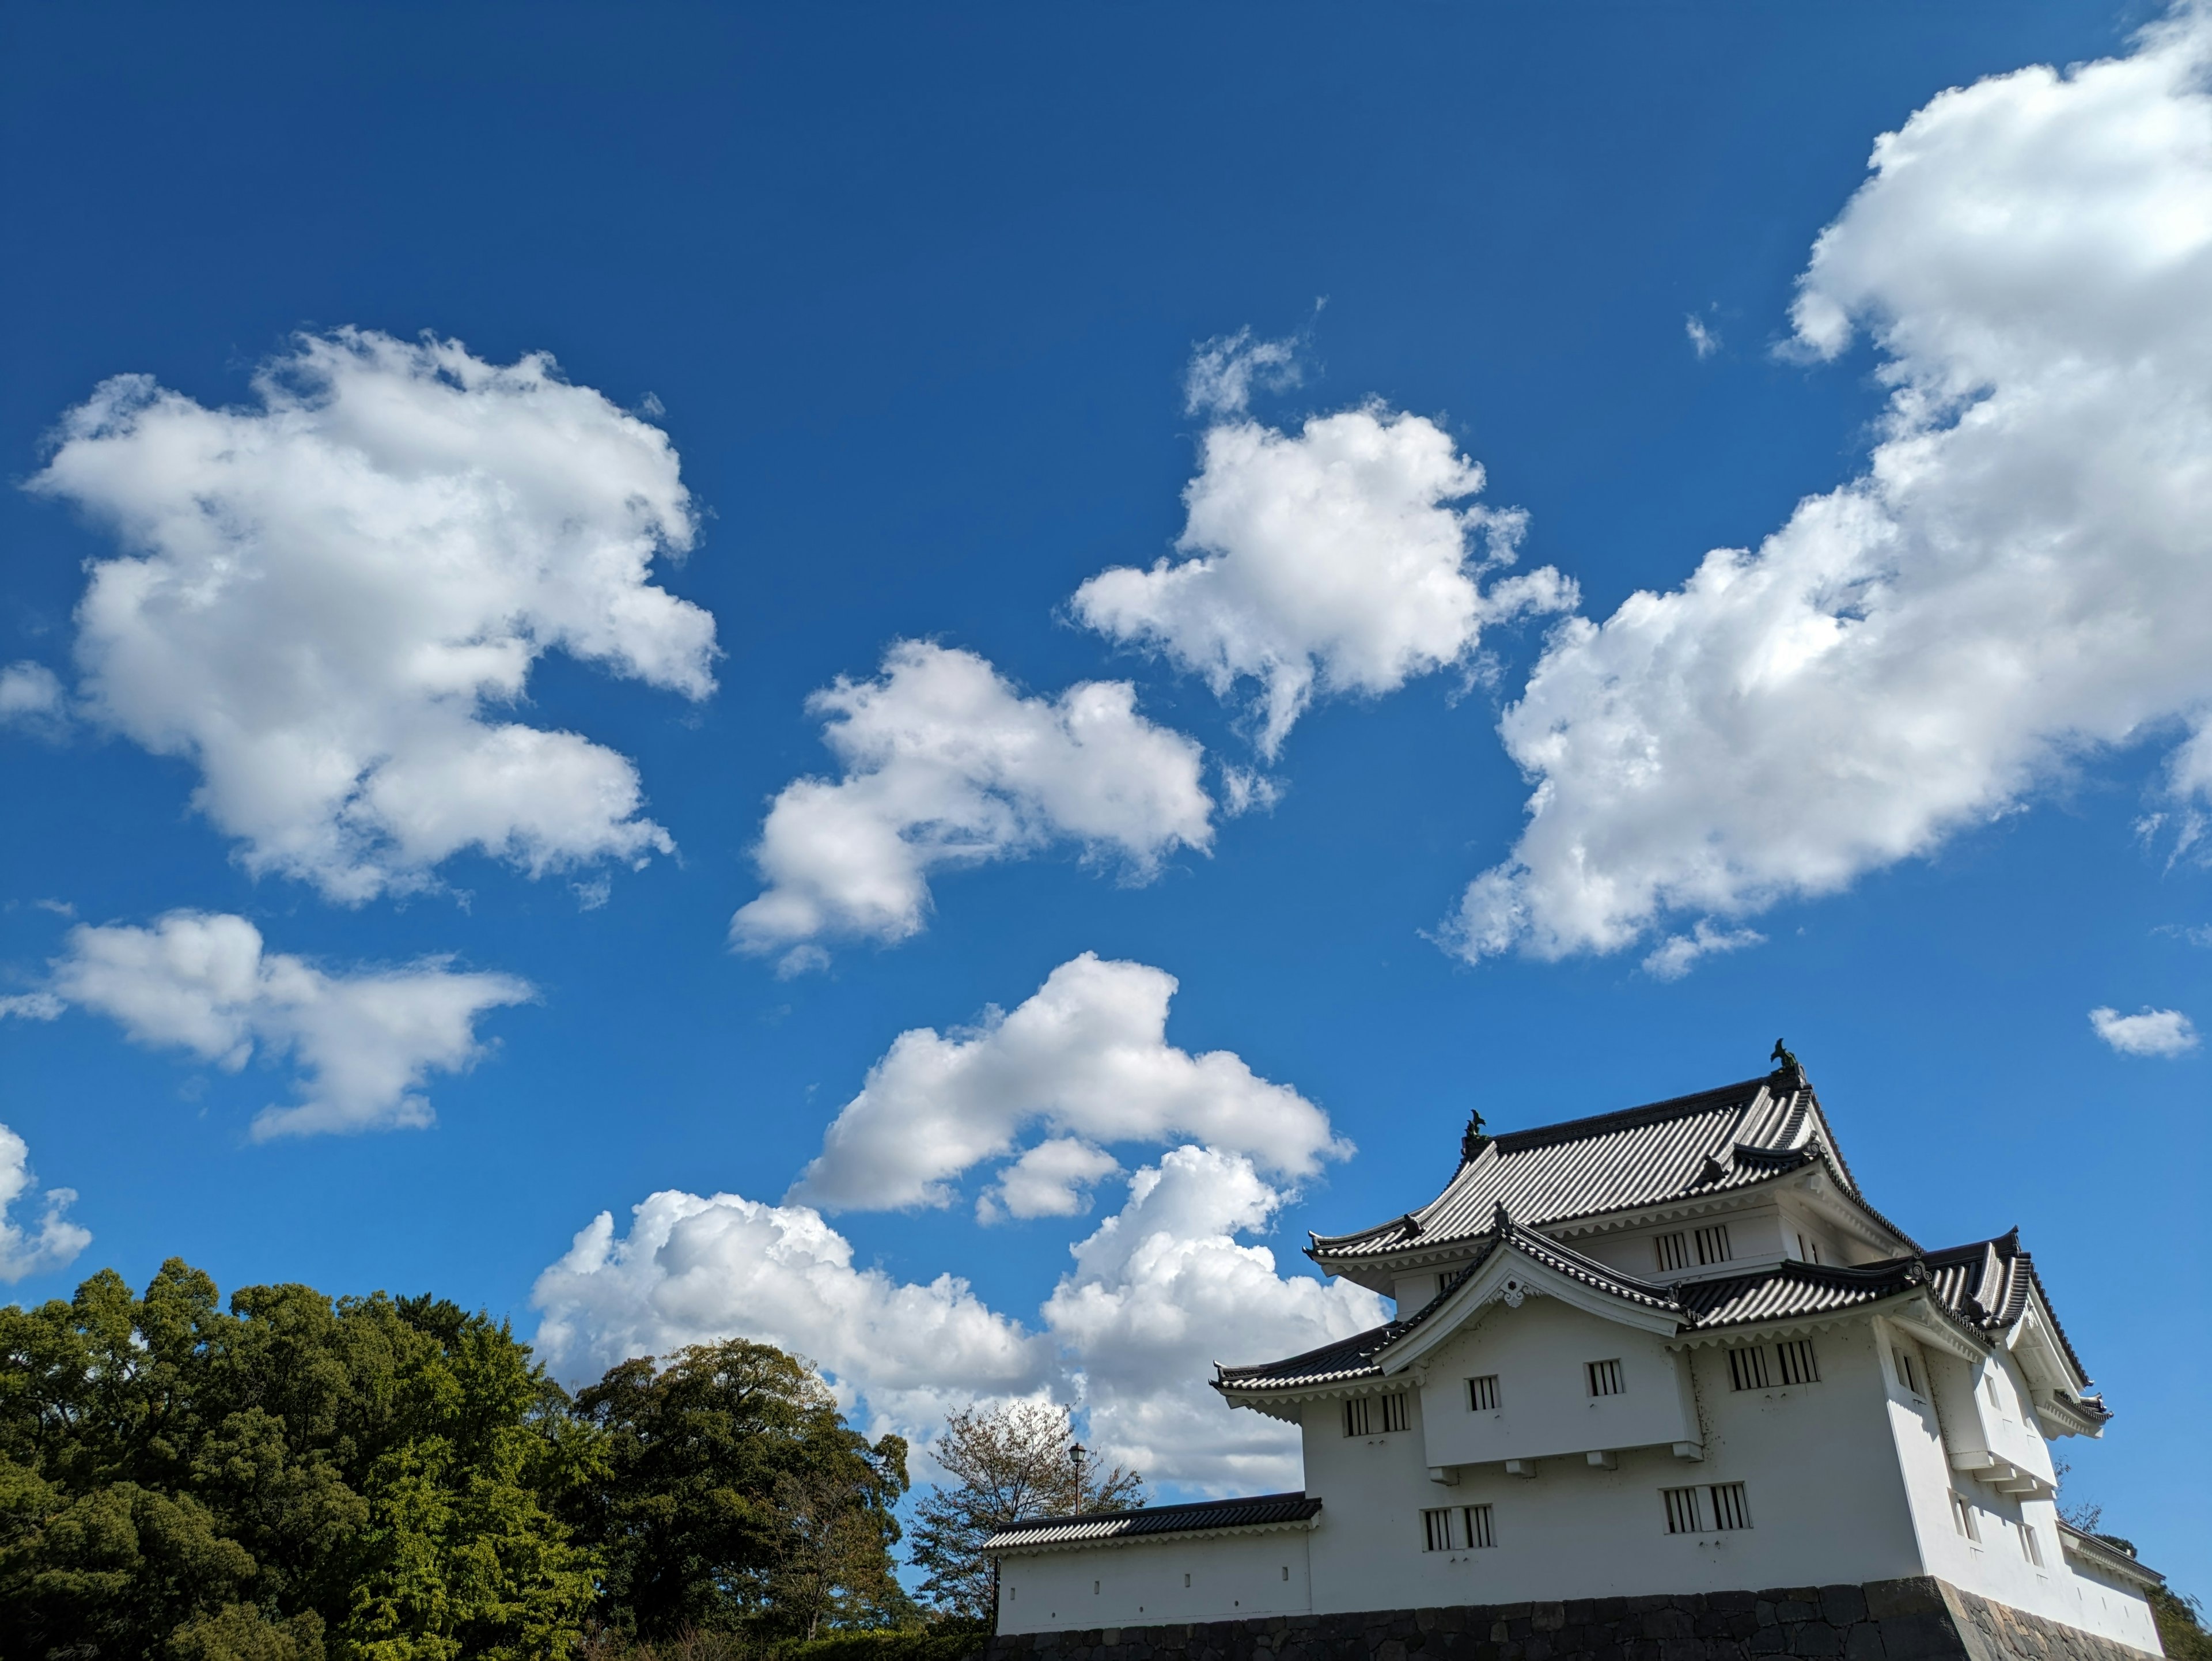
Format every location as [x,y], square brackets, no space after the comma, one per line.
[1291,1496]
[1627,1118]
[2105,1553]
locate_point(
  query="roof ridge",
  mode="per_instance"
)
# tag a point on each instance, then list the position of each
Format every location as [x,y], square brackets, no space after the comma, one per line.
[1626,1118]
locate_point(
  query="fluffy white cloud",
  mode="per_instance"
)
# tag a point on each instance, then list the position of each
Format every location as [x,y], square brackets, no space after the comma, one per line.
[1675,956]
[31,699]
[1333,561]
[693,1270]
[2018,580]
[363,1041]
[2151,1032]
[1163,1291]
[1160,1292]
[1086,1056]
[945,764]
[326,600]
[55,1241]
[1053,1179]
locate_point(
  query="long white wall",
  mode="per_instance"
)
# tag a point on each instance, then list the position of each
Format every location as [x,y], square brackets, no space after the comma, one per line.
[1218,1577]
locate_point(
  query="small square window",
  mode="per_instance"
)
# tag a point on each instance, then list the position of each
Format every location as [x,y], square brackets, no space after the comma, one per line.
[1479,1532]
[1748,1368]
[1604,1377]
[1440,1529]
[1394,1411]
[1681,1510]
[1799,1365]
[1482,1393]
[1713,1244]
[1358,1415]
[1730,1509]
[1674,1251]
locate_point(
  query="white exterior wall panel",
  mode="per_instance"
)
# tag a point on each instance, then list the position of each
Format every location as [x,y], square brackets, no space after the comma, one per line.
[1142,1584]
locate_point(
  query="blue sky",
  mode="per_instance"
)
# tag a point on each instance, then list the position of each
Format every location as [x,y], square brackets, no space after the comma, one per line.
[877,327]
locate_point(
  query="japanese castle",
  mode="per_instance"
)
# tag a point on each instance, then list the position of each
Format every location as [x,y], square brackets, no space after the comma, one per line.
[1671,1350]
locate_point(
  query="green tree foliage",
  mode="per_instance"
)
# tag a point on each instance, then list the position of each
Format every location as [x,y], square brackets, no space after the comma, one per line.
[2180,1626]
[1015,1463]
[736,1495]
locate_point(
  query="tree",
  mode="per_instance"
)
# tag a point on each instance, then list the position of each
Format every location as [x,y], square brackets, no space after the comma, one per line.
[1014,1463]
[736,1495]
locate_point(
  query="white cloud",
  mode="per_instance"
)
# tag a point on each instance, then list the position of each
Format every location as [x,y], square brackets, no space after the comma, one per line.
[31,699]
[2152,1032]
[55,1241]
[1678,954]
[693,1270]
[363,1041]
[1164,1290]
[326,601]
[1332,561]
[946,766]
[1704,341]
[1160,1292]
[1224,371]
[1053,1179]
[2018,579]
[1086,1056]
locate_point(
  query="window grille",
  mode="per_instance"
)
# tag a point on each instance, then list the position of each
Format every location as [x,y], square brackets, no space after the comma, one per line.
[1482,1393]
[1713,1244]
[1674,1251]
[1372,1416]
[1479,1533]
[1730,1509]
[1681,1510]
[1394,1411]
[1356,1416]
[1808,1248]
[2030,1547]
[1748,1368]
[1798,1365]
[1437,1530]
[1604,1377]
[1962,1517]
[1907,1374]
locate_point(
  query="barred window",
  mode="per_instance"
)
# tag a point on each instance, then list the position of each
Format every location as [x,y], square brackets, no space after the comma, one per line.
[1440,1529]
[1798,1365]
[1604,1377]
[1808,1248]
[1681,1510]
[1371,1415]
[1674,1251]
[1394,1411]
[1962,1517]
[1730,1509]
[1479,1533]
[1713,1244]
[1356,1416]
[1748,1368]
[1482,1393]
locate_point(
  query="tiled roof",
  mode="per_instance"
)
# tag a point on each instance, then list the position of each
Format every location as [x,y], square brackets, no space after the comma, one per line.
[1353,1357]
[1714,1141]
[1259,1511]
[1780,1292]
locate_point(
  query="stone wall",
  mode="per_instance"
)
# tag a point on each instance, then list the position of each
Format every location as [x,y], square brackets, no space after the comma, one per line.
[1915,1620]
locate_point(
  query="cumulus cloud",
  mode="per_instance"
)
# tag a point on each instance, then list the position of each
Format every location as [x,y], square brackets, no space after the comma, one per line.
[1085,1057]
[1160,1292]
[327,601]
[32,700]
[1678,954]
[54,1241]
[946,766]
[1333,561]
[2151,1032]
[2016,582]
[1053,1179]
[363,1041]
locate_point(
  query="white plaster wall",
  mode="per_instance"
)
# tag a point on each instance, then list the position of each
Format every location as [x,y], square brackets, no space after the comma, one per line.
[1539,1352]
[1757,1235]
[1993,1567]
[1141,1583]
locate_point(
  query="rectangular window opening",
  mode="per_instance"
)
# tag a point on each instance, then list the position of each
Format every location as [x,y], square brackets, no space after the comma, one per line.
[1482,1393]
[1479,1532]
[1440,1529]
[1907,1374]
[1799,1366]
[1808,1248]
[1713,1244]
[1748,1368]
[1730,1509]
[1394,1411]
[1681,1510]
[1356,1416]
[1604,1377]
[2030,1547]
[1962,1517]
[1674,1251]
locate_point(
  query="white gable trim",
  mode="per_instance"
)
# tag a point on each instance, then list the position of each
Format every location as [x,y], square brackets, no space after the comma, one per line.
[1509,1276]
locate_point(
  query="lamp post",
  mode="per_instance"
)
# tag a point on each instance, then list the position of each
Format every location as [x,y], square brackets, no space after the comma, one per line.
[1075,1453]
